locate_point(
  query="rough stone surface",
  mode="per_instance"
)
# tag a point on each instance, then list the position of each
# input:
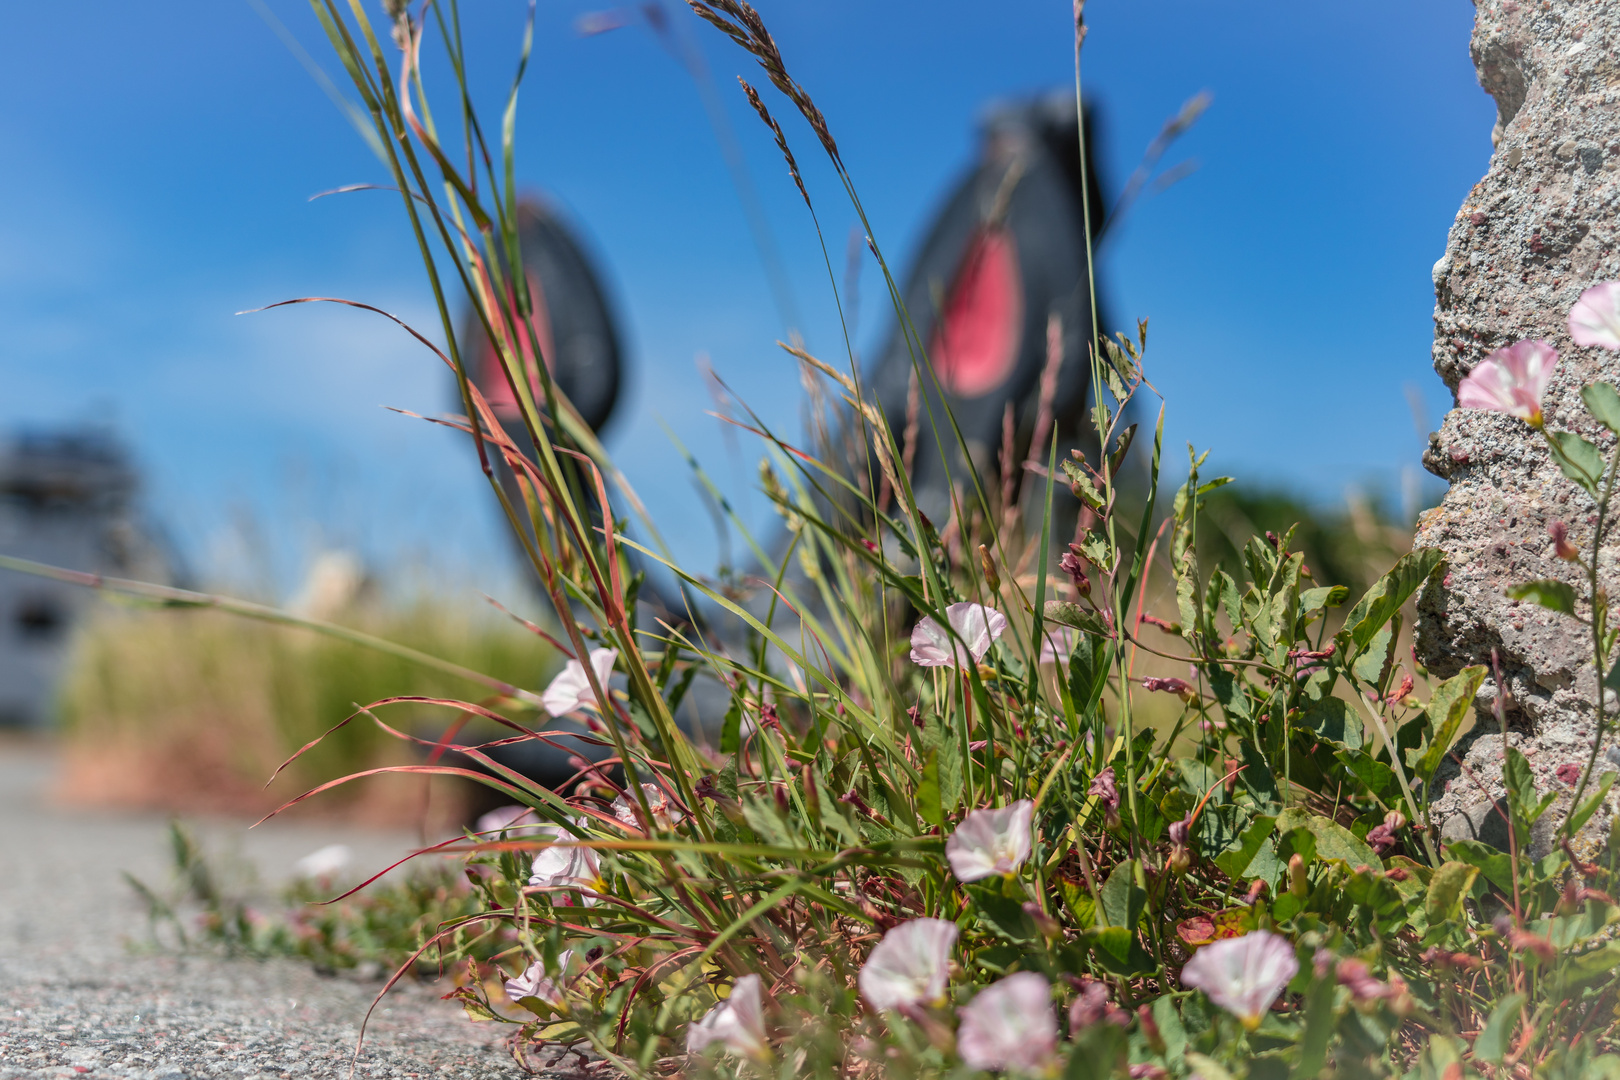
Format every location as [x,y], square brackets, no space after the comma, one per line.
[1537,230]
[76,1000]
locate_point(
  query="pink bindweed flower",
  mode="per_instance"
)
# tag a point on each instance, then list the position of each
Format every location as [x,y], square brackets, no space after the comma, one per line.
[910,966]
[1595,318]
[990,842]
[1056,644]
[571,690]
[566,867]
[666,815]
[1243,975]
[1511,380]
[737,1023]
[975,624]
[1092,1005]
[535,983]
[508,821]
[1010,1025]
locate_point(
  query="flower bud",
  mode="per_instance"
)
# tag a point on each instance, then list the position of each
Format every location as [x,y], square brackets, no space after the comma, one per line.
[992,580]
[1044,923]
[1298,884]
[1395,820]
[1179,860]
[1560,538]
[1150,1030]
[1072,564]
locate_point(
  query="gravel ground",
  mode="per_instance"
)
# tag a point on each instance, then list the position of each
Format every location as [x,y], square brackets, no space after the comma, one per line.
[79,997]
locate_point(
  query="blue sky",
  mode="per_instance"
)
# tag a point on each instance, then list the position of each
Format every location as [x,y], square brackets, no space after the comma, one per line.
[162,158]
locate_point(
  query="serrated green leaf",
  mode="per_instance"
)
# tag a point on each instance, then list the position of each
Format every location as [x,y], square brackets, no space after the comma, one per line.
[1374,661]
[1380,603]
[1603,403]
[1545,592]
[1447,709]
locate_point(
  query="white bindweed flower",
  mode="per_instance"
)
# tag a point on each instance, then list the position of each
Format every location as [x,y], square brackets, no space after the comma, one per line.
[1243,975]
[535,983]
[1595,318]
[566,867]
[329,861]
[737,1022]
[665,814]
[571,690]
[1511,380]
[991,842]
[1010,1025]
[975,624]
[509,820]
[910,966]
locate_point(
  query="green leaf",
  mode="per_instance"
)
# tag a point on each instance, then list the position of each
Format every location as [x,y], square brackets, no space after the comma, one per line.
[1373,663]
[1388,593]
[1170,1027]
[731,728]
[1446,711]
[1521,786]
[1122,899]
[1492,1043]
[1579,459]
[1378,778]
[1003,912]
[1208,1067]
[1584,812]
[1603,403]
[1597,963]
[1236,859]
[1313,1045]
[1552,595]
[928,800]
[1118,950]
[1497,866]
[1447,890]
[1068,614]
[1187,591]
[1334,722]
[1313,600]
[1098,1054]
[1333,841]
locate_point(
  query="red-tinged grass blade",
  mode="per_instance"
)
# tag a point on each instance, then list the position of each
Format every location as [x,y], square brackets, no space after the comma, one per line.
[640,983]
[445,930]
[429,770]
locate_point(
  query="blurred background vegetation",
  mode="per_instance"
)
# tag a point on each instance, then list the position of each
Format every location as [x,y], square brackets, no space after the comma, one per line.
[192,710]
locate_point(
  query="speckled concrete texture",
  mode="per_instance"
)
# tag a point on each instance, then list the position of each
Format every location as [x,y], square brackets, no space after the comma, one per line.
[77,1001]
[1537,230]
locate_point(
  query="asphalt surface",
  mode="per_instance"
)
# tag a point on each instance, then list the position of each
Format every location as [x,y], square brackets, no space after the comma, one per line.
[83,994]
